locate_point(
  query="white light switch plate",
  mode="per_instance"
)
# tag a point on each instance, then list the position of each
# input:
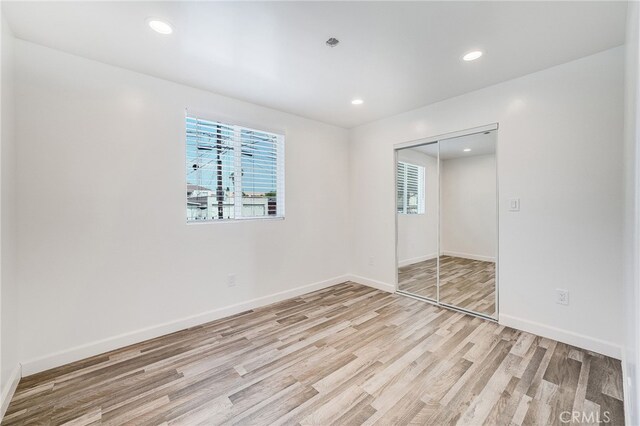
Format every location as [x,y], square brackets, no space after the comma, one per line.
[514,205]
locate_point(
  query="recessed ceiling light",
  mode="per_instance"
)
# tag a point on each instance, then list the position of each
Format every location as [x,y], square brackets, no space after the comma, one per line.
[159,26]
[472,56]
[467,149]
[357,102]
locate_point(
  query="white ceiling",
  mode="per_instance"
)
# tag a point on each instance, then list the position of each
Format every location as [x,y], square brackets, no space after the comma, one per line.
[395,55]
[478,143]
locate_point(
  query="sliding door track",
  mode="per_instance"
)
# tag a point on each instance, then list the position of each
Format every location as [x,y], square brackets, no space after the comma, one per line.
[447,306]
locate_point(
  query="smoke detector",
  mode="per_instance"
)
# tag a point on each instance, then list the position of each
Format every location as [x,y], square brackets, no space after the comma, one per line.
[332,42]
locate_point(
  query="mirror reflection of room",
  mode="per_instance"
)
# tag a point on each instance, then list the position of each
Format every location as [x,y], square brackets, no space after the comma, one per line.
[417,207]
[468,216]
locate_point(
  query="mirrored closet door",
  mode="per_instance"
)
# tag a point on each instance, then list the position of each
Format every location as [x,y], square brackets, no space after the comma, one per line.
[468,223]
[447,237]
[418,199]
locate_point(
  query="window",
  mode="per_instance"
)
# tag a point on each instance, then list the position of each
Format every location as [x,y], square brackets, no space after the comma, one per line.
[233,172]
[410,188]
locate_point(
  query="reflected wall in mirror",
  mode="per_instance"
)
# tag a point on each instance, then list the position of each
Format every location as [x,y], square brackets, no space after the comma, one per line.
[417,220]
[468,223]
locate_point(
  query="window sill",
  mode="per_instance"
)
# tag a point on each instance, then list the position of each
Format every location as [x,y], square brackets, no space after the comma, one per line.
[249,219]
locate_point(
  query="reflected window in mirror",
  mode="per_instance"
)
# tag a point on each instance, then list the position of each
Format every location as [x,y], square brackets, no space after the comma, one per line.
[410,188]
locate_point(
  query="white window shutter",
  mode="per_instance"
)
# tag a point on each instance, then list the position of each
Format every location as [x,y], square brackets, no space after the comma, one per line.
[233,172]
[410,188]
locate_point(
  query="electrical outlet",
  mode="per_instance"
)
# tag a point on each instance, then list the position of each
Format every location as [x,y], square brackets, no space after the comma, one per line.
[562,296]
[370,260]
[231,280]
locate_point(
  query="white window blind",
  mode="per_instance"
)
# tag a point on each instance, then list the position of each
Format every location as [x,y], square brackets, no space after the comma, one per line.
[410,188]
[233,172]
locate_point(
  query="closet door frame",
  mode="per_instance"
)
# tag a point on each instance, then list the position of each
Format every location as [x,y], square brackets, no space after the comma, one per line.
[437,139]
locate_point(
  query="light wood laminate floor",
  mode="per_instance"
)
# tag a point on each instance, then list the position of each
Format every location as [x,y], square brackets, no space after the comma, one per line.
[345,355]
[465,283]
[420,278]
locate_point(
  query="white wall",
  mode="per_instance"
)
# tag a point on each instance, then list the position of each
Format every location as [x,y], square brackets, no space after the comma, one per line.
[468,211]
[418,233]
[105,256]
[9,308]
[632,221]
[560,144]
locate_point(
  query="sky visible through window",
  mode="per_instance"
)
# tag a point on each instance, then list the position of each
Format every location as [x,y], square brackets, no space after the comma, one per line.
[206,145]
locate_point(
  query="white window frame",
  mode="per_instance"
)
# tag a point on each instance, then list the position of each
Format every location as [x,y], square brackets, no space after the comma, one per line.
[403,180]
[237,201]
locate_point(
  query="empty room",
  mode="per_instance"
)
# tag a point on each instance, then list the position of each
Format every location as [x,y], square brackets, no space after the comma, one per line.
[320,213]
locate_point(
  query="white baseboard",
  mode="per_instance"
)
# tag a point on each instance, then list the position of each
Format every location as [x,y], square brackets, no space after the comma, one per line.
[626,380]
[565,336]
[9,390]
[418,259]
[469,256]
[98,347]
[390,288]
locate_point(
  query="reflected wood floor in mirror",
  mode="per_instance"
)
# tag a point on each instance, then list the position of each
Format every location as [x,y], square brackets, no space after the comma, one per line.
[345,355]
[419,278]
[465,283]
[468,284]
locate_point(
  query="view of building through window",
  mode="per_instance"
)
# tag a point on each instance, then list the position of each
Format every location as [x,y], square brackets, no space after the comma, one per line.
[233,172]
